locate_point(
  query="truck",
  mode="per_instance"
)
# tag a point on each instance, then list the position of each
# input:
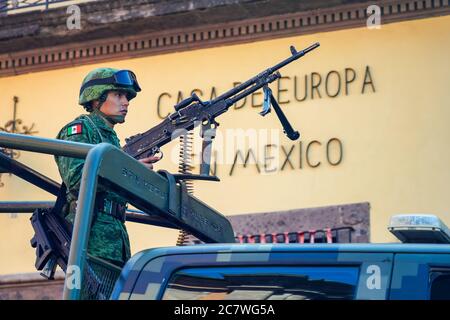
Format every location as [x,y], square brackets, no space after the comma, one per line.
[392,271]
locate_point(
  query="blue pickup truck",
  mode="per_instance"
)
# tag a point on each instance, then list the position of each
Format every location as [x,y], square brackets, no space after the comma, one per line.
[418,268]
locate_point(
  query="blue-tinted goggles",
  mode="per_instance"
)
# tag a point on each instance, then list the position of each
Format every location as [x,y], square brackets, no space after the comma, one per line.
[122,78]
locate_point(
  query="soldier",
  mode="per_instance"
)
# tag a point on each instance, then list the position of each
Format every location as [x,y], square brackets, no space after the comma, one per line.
[105,93]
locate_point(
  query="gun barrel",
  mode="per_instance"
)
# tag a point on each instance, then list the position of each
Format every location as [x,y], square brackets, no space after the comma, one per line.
[265,73]
[294,57]
[271,78]
[311,47]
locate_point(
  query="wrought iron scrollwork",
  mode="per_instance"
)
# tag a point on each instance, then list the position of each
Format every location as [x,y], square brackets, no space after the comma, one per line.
[15,126]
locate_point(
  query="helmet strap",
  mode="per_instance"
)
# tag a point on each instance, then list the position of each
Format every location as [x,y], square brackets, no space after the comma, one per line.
[111,120]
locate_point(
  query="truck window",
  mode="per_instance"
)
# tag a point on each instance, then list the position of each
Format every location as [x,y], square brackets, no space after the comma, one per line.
[263,283]
[440,284]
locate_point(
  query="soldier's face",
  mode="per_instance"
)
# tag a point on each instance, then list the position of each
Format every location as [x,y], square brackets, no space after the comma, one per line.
[116,105]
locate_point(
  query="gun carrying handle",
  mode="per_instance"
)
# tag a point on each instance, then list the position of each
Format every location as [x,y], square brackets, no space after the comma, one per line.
[288,130]
[187,101]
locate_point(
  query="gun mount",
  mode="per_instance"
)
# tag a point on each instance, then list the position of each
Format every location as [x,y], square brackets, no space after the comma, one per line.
[161,197]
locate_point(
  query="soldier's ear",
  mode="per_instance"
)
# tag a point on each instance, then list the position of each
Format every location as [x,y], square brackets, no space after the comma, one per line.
[95,104]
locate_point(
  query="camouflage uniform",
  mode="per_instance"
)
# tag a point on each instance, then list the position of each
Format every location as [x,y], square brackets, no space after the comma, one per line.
[108,238]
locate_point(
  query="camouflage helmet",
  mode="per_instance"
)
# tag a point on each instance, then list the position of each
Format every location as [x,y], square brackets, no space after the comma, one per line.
[94,92]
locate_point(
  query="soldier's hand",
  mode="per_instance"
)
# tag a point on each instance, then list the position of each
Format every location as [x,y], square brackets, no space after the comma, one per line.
[148,162]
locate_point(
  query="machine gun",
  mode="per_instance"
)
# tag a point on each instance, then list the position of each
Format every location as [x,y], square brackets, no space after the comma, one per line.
[192,111]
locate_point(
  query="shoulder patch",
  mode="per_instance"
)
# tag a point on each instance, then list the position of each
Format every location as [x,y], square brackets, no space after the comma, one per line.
[74,128]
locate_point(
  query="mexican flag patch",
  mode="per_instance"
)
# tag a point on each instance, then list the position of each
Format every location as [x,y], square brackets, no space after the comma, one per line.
[75,129]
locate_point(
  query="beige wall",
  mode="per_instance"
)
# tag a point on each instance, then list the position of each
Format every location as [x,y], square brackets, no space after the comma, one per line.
[395,139]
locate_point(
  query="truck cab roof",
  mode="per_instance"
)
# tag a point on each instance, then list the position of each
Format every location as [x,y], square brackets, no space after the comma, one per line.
[371,271]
